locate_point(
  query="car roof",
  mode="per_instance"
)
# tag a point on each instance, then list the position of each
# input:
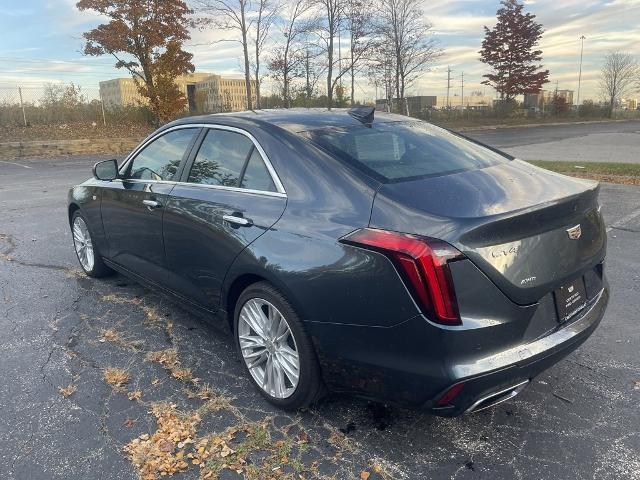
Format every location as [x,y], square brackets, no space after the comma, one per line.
[294,119]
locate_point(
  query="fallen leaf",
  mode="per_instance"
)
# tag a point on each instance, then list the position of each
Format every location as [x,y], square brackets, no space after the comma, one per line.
[135,395]
[226,451]
[166,446]
[129,422]
[364,475]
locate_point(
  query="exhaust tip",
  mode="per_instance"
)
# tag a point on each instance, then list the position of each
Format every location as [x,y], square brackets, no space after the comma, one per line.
[498,397]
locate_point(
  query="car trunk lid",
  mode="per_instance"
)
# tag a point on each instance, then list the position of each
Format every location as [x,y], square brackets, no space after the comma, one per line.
[513,220]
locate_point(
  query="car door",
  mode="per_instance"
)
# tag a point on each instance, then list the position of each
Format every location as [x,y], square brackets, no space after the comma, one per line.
[229,196]
[132,206]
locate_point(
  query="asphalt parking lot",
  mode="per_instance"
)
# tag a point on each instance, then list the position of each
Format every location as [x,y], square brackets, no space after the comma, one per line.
[581,142]
[60,329]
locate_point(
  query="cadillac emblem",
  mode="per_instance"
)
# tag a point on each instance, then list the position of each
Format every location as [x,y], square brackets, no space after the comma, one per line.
[574,232]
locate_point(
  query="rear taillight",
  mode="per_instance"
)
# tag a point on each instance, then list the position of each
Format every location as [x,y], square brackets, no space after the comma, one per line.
[424,266]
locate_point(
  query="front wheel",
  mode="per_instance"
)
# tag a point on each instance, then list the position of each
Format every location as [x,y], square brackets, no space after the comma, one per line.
[275,349]
[86,251]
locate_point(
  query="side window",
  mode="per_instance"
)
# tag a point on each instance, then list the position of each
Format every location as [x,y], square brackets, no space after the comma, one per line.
[161,158]
[256,175]
[220,159]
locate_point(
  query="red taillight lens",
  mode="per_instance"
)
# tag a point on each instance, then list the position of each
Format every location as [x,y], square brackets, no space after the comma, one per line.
[424,265]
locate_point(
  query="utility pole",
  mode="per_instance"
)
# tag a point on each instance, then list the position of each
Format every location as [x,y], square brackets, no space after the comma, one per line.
[448,86]
[582,39]
[104,120]
[24,116]
[556,100]
[462,87]
[308,85]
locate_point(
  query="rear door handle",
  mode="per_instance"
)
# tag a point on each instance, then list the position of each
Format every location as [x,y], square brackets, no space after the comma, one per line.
[241,221]
[151,204]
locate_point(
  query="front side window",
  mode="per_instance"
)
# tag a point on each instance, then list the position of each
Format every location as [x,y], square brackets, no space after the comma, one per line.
[161,158]
[220,159]
[398,151]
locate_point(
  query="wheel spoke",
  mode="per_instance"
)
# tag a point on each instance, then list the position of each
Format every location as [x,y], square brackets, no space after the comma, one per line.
[258,361]
[250,319]
[254,354]
[77,234]
[289,366]
[266,383]
[278,378]
[282,332]
[251,341]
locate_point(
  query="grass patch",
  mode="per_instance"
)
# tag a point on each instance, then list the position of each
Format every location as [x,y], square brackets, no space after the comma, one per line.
[67,391]
[169,360]
[613,172]
[116,377]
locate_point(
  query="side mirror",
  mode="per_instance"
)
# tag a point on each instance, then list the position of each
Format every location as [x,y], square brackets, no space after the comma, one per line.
[106,170]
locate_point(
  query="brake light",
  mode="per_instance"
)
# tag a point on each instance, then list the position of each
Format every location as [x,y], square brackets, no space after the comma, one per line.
[424,265]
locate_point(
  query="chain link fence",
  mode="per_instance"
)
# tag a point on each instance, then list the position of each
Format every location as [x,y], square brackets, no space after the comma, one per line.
[62,104]
[55,104]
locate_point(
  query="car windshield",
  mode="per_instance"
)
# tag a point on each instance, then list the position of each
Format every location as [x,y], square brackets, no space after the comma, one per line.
[398,151]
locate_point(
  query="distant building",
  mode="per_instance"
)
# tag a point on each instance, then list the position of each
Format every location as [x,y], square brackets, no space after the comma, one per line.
[631,103]
[205,92]
[427,102]
[218,94]
[120,92]
[545,98]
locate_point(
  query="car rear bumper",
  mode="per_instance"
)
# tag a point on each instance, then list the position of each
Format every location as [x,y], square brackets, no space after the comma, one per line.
[397,365]
[517,366]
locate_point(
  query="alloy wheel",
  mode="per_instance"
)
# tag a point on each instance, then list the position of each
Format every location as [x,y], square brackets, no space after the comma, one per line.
[268,348]
[83,244]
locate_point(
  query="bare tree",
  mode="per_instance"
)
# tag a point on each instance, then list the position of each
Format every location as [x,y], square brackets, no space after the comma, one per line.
[328,27]
[407,38]
[359,23]
[231,15]
[335,16]
[288,60]
[619,73]
[266,15]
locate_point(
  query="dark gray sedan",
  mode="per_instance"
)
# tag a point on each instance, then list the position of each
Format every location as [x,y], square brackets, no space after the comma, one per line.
[381,256]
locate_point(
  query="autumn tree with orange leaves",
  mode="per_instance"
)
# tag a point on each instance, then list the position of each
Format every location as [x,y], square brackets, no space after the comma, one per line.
[145,37]
[510,49]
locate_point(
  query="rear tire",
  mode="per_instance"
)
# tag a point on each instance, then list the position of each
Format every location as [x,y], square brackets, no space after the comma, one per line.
[275,349]
[86,250]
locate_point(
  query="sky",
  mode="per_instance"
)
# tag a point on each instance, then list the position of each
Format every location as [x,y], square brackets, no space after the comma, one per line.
[41,41]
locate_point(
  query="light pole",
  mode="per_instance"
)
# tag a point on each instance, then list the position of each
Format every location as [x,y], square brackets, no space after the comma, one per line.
[582,39]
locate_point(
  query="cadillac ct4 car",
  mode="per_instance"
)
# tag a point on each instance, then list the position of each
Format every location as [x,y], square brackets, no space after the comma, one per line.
[346,251]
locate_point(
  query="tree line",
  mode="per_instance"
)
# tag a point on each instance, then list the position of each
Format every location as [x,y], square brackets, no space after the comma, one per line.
[298,44]
[391,42]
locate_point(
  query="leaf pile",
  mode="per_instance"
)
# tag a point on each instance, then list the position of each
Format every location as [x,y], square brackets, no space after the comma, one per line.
[163,452]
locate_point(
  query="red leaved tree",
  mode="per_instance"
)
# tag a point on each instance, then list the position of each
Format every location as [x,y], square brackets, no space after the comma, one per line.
[510,49]
[145,37]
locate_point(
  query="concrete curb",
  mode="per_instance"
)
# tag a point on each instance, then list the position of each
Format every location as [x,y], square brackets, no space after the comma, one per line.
[68,147]
[535,125]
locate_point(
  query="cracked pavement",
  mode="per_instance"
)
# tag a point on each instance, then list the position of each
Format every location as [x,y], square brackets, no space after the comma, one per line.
[580,419]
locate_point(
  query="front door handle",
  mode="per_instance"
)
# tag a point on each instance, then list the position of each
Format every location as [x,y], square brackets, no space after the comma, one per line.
[241,221]
[151,204]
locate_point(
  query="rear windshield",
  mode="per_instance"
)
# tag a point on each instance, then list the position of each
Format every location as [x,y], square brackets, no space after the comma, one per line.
[399,151]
